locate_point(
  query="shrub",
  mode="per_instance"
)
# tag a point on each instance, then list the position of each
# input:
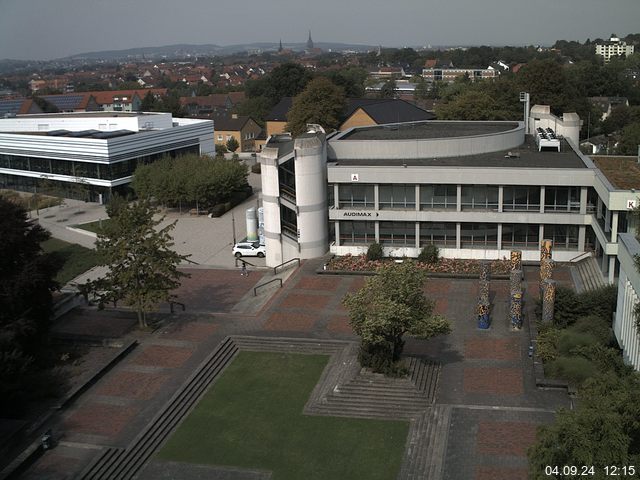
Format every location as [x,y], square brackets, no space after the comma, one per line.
[374,252]
[569,341]
[571,306]
[547,344]
[255,168]
[572,369]
[429,254]
[217,210]
[596,326]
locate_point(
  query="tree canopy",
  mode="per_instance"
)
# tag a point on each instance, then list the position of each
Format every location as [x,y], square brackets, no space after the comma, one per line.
[190,180]
[142,265]
[286,80]
[604,430]
[390,305]
[26,282]
[321,102]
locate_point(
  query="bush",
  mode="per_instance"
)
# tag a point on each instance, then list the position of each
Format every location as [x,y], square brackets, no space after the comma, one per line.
[571,306]
[569,342]
[218,210]
[255,168]
[547,344]
[596,326]
[572,369]
[429,254]
[374,252]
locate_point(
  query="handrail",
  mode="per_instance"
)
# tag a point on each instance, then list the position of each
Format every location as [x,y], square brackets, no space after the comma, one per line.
[588,252]
[244,261]
[255,290]
[275,269]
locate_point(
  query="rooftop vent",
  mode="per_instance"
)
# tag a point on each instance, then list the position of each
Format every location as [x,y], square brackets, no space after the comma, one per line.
[546,138]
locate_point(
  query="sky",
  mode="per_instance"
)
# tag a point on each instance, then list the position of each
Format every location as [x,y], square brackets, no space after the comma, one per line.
[48,29]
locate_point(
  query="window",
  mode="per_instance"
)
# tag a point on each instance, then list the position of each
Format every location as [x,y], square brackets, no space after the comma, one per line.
[440,234]
[474,235]
[400,234]
[438,197]
[220,138]
[356,196]
[479,197]
[520,235]
[565,237]
[397,196]
[521,198]
[357,233]
[562,199]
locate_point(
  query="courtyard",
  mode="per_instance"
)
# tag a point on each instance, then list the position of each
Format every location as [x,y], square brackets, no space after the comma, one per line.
[477,423]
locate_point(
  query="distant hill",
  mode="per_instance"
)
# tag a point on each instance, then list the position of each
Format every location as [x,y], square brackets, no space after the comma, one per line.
[187,50]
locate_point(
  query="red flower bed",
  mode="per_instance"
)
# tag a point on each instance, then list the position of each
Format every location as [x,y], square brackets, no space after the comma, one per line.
[359,263]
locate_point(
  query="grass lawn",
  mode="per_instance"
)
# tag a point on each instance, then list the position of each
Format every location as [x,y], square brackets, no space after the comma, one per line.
[252,418]
[93,226]
[77,259]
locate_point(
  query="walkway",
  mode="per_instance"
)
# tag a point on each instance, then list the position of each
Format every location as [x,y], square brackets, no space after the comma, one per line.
[486,408]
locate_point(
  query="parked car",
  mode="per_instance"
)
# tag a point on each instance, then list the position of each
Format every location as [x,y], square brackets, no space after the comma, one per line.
[248,249]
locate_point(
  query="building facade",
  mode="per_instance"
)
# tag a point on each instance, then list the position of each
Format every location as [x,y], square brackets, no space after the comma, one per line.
[450,75]
[97,151]
[614,47]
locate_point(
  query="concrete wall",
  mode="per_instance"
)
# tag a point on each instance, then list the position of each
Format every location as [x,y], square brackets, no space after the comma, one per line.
[624,326]
[426,148]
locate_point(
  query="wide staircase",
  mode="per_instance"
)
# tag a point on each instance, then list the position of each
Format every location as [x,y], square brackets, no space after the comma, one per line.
[372,395]
[589,275]
[121,464]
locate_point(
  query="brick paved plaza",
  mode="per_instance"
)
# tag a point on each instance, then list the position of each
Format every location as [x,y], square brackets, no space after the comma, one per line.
[486,378]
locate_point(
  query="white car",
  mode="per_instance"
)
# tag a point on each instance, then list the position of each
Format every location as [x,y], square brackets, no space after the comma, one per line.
[248,249]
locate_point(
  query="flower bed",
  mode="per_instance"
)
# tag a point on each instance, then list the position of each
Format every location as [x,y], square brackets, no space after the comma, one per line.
[359,263]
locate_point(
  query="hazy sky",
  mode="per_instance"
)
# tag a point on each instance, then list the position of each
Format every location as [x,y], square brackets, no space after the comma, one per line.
[46,29]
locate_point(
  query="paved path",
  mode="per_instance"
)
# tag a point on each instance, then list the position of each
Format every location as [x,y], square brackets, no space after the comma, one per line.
[207,240]
[487,401]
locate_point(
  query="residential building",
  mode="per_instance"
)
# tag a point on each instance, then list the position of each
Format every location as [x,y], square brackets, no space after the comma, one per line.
[243,128]
[607,104]
[214,104]
[449,74]
[614,47]
[98,151]
[360,112]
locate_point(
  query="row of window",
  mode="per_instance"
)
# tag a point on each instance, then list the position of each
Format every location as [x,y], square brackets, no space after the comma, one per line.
[111,171]
[443,234]
[473,197]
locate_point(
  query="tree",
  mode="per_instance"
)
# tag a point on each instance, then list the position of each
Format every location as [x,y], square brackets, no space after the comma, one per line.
[143,268]
[472,105]
[604,430]
[232,144]
[286,80]
[629,140]
[321,102]
[26,282]
[390,305]
[388,90]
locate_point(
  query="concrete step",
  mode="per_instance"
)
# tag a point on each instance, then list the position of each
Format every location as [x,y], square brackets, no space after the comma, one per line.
[126,463]
[424,375]
[292,345]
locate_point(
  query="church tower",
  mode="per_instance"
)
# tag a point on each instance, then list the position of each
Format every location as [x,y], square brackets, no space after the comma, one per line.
[309,42]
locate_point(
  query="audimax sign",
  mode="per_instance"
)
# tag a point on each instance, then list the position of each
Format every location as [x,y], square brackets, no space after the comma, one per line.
[359,214]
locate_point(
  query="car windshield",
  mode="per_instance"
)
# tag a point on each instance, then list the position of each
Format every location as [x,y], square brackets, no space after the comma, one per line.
[255,244]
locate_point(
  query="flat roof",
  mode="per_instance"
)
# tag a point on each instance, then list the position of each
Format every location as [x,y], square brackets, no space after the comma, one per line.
[524,156]
[622,172]
[89,114]
[428,129]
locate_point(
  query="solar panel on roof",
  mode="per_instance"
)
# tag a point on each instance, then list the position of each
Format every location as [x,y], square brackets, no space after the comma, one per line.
[10,106]
[113,134]
[83,133]
[64,103]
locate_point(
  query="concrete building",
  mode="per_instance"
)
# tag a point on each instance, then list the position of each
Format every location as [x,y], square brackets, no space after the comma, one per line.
[614,47]
[450,74]
[474,189]
[96,150]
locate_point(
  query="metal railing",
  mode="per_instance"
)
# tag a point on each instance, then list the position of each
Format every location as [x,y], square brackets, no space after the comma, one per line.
[255,290]
[275,269]
[583,254]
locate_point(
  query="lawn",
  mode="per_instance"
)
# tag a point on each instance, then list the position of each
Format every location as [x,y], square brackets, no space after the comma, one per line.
[77,259]
[94,227]
[252,418]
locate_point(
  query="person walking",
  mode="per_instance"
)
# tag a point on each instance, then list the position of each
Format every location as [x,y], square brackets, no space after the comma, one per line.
[244,272]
